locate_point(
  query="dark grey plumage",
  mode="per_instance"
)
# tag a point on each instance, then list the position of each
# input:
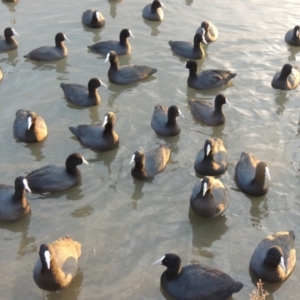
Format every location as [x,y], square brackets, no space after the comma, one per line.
[163,120]
[153,11]
[92,19]
[121,47]
[292,36]
[7,42]
[97,137]
[189,50]
[274,257]
[53,178]
[286,79]
[126,74]
[50,53]
[13,202]
[252,176]
[196,281]
[57,265]
[208,113]
[212,159]
[209,197]
[207,79]
[148,164]
[29,127]
[81,95]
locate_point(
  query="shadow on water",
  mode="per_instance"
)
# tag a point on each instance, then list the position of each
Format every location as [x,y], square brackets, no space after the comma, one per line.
[293,51]
[70,292]
[83,211]
[258,211]
[11,59]
[74,193]
[206,94]
[35,149]
[281,100]
[113,7]
[106,157]
[60,66]
[206,232]
[137,192]
[170,141]
[189,2]
[11,5]
[27,244]
[96,32]
[154,26]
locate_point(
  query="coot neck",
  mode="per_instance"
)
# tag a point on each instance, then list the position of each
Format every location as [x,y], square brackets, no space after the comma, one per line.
[93,92]
[123,40]
[115,65]
[193,72]
[173,272]
[19,195]
[108,129]
[259,178]
[59,44]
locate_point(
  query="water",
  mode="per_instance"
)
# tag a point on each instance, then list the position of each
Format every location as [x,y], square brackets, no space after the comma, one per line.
[125,225]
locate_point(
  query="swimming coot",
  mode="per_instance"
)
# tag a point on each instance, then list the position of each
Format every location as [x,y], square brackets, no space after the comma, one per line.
[97,137]
[153,11]
[292,36]
[92,19]
[209,197]
[148,164]
[57,265]
[29,127]
[81,95]
[274,257]
[189,50]
[13,202]
[126,74]
[212,159]
[286,79]
[252,176]
[163,120]
[53,178]
[196,281]
[207,79]
[208,113]
[49,53]
[209,31]
[8,42]
[121,47]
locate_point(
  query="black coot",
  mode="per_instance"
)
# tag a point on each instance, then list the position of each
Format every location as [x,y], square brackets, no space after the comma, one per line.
[212,159]
[252,176]
[207,113]
[274,257]
[196,281]
[126,74]
[29,127]
[57,265]
[148,164]
[163,120]
[50,53]
[53,178]
[81,95]
[97,137]
[208,79]
[209,197]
